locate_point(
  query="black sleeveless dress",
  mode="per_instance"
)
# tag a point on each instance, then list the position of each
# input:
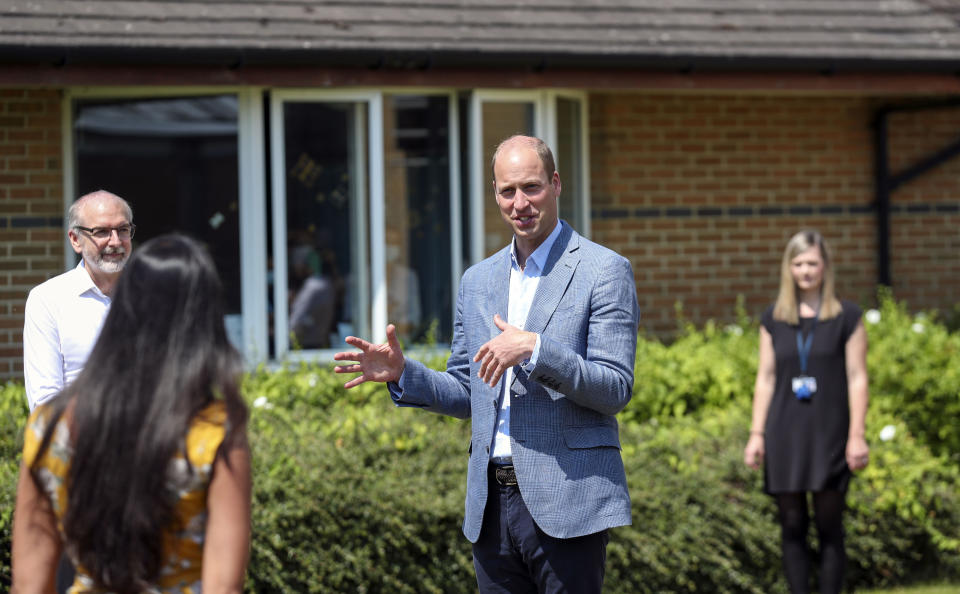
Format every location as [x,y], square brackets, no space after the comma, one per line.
[806,440]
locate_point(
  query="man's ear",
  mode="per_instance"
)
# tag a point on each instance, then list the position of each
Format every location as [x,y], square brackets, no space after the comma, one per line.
[556,182]
[75,241]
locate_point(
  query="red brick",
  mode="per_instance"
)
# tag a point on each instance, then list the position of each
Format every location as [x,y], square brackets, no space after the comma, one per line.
[12,178]
[19,164]
[7,121]
[27,192]
[31,135]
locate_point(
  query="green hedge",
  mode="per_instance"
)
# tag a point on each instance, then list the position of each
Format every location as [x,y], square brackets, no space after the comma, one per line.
[13,414]
[353,494]
[914,364]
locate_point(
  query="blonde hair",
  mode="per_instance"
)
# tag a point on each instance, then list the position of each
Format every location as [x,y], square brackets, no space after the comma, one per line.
[786,309]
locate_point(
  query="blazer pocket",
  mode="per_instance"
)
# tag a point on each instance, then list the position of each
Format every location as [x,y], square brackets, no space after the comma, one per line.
[592,436]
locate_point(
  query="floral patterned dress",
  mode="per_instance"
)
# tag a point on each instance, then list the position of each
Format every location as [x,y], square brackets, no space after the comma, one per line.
[181,572]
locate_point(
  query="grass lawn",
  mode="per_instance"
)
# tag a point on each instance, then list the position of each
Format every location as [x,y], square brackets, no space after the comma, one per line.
[929,589]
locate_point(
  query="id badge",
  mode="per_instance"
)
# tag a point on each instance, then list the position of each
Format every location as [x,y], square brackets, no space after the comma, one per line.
[804,386]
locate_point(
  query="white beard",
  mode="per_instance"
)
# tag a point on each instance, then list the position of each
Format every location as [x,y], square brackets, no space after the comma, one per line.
[110,266]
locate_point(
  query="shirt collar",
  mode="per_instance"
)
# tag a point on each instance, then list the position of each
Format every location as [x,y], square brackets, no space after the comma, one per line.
[82,282]
[539,256]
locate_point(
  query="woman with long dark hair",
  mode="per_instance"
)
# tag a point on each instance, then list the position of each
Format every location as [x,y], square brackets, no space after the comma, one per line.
[140,468]
[809,409]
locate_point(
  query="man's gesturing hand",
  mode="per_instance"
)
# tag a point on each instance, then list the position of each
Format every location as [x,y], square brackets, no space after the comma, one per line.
[502,352]
[374,362]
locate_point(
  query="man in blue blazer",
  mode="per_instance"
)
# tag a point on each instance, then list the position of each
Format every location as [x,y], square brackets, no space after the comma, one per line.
[542,359]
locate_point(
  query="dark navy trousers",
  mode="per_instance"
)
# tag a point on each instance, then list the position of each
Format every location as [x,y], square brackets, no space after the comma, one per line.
[514,556]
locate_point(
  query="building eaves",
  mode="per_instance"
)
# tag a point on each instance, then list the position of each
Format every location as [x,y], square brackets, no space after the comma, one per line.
[697,34]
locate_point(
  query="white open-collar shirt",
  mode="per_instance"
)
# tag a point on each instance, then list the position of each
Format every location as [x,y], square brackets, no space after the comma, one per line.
[523,286]
[62,321]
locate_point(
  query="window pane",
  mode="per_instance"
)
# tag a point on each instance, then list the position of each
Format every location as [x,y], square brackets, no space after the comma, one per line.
[325,151]
[175,161]
[500,121]
[416,141]
[568,156]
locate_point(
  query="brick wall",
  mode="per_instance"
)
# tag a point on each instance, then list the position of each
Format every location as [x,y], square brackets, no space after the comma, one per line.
[925,220]
[702,193]
[31,209]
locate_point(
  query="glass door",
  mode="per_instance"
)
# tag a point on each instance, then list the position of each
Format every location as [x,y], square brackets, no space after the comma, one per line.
[321,267]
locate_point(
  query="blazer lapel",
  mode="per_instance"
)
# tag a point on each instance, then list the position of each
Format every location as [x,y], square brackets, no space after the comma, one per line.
[496,296]
[498,293]
[561,264]
[559,269]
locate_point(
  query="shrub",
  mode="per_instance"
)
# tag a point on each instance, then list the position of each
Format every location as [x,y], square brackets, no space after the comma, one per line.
[357,498]
[914,364]
[703,524]
[351,493]
[702,369]
[13,414]
[905,509]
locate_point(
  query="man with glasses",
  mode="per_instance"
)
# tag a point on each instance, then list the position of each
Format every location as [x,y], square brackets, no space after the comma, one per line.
[63,315]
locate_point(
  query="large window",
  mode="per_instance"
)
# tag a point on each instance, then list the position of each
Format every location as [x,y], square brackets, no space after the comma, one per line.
[325,157]
[416,138]
[362,208]
[321,263]
[174,160]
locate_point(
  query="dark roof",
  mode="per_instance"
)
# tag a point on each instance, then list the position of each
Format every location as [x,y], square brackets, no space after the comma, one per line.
[887,34]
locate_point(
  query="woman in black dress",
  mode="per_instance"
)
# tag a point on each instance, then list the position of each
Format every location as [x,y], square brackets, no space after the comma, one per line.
[809,406]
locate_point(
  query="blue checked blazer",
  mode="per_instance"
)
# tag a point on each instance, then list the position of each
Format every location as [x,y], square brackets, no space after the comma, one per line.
[564,437]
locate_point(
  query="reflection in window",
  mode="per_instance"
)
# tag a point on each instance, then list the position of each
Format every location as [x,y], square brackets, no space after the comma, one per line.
[175,161]
[324,148]
[416,145]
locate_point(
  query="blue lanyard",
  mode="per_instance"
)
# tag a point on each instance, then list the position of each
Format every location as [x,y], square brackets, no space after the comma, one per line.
[804,346]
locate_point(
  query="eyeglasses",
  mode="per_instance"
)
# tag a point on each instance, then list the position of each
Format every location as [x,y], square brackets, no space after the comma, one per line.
[124,232]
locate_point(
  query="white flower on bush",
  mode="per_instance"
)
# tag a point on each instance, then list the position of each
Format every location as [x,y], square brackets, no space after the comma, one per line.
[262,402]
[313,380]
[873,316]
[887,433]
[917,327]
[734,329]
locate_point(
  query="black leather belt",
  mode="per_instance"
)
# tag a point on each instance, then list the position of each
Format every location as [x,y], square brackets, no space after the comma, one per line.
[505,475]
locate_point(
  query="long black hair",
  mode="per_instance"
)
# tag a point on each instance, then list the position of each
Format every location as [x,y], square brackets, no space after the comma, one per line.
[161,358]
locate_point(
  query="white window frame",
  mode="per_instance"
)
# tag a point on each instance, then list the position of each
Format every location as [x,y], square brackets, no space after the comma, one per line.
[545,126]
[252,172]
[371,206]
[552,133]
[252,198]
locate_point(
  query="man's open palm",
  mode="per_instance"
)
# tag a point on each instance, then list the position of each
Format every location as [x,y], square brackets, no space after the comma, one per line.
[374,362]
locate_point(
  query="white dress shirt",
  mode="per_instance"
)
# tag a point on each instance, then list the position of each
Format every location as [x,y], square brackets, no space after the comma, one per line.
[62,321]
[523,286]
